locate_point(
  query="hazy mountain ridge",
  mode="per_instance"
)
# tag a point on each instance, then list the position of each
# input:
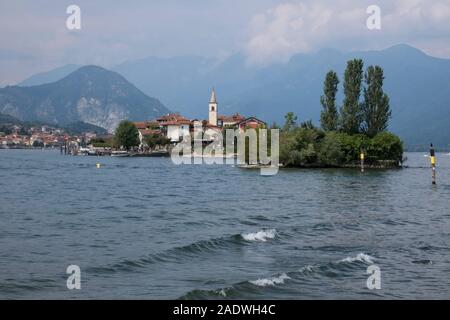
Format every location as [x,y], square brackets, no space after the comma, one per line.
[90,94]
[49,76]
[418,85]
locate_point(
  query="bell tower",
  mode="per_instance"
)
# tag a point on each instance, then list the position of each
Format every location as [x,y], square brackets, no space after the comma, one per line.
[213,109]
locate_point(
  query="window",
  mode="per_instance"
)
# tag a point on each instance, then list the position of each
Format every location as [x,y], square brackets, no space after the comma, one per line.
[212,109]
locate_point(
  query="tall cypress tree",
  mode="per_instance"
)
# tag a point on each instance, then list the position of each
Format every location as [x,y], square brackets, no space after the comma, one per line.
[329,115]
[376,109]
[290,121]
[351,110]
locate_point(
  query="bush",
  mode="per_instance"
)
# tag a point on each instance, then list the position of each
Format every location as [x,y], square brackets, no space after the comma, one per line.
[155,140]
[300,147]
[351,146]
[386,146]
[102,143]
[331,152]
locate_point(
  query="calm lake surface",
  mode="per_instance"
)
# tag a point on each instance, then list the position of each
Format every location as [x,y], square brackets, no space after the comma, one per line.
[145,228]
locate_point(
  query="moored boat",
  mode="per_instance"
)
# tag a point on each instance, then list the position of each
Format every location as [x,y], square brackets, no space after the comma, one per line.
[121,153]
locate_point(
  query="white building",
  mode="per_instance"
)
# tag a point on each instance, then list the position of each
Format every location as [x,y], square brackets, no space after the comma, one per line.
[174,126]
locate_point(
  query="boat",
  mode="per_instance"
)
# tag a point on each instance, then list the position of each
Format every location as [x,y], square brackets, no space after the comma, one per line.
[83,151]
[121,153]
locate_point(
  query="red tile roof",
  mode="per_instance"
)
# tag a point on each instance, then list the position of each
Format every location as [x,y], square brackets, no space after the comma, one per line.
[234,118]
[173,119]
[146,132]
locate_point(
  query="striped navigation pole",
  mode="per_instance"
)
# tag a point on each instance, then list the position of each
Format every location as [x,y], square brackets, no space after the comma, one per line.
[361,156]
[433,163]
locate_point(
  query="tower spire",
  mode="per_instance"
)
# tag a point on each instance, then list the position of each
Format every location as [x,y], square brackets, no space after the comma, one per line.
[213,108]
[213,96]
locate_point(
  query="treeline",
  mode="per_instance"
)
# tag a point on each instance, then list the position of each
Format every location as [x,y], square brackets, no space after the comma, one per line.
[358,126]
[127,137]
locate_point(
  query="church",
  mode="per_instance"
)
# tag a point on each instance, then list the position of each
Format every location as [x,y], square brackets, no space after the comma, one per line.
[175,126]
[235,121]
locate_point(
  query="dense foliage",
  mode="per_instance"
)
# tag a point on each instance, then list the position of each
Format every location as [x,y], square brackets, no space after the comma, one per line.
[312,147]
[102,142]
[155,140]
[127,135]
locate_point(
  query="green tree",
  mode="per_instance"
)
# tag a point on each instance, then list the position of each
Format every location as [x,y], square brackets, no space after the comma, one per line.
[154,140]
[329,115]
[127,135]
[351,117]
[331,151]
[307,125]
[386,146]
[375,108]
[290,121]
[299,147]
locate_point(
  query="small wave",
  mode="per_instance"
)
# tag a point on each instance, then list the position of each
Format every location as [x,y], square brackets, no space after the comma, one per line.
[262,235]
[361,257]
[254,288]
[173,255]
[222,292]
[425,261]
[305,269]
[270,281]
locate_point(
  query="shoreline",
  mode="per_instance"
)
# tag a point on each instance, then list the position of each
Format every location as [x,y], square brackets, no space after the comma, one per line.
[366,167]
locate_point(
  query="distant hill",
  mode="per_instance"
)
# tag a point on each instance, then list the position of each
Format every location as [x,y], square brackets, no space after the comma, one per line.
[6,119]
[74,128]
[79,127]
[90,94]
[418,84]
[49,76]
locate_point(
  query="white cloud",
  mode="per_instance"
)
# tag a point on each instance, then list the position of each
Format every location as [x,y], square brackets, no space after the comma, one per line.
[299,27]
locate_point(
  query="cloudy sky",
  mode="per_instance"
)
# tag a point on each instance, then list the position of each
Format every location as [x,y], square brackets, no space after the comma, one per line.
[34,36]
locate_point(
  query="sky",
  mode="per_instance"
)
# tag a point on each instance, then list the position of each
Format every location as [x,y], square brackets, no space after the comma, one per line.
[35,38]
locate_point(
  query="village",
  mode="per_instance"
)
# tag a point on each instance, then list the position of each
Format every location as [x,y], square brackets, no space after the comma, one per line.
[174,127]
[42,137]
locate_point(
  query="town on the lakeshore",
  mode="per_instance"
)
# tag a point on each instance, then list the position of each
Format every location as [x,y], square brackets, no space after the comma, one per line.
[41,136]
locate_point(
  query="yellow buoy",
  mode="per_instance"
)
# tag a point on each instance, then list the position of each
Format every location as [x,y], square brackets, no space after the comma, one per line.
[98,165]
[433,160]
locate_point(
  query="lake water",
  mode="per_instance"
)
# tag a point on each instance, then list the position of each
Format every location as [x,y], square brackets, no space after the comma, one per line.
[145,228]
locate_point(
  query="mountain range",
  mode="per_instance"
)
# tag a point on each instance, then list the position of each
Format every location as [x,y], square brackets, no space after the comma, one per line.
[90,94]
[418,86]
